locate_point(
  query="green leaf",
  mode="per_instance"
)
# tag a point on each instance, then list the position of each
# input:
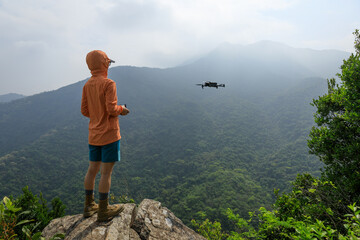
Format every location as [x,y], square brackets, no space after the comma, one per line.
[7,202]
[23,222]
[26,231]
[37,236]
[312,190]
[24,212]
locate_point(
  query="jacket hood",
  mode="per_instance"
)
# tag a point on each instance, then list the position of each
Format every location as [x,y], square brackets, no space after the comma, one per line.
[98,62]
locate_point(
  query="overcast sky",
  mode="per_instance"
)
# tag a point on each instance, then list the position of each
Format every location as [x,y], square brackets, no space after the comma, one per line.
[43,43]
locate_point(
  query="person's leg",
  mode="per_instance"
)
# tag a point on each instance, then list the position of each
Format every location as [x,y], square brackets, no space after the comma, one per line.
[110,155]
[105,180]
[90,206]
[89,181]
[106,212]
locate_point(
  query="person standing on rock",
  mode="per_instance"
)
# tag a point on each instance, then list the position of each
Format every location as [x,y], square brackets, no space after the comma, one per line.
[99,103]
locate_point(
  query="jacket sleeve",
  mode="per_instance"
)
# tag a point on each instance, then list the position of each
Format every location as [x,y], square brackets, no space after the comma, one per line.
[111,100]
[84,104]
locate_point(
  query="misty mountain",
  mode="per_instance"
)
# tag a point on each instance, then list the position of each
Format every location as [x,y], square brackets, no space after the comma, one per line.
[10,97]
[280,58]
[193,149]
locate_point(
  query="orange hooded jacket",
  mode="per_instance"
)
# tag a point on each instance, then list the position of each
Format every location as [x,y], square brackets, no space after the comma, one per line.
[99,101]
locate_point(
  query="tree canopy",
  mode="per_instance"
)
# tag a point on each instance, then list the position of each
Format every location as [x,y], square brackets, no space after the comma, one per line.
[336,138]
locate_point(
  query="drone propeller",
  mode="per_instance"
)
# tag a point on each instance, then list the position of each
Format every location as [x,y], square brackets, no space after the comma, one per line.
[198,84]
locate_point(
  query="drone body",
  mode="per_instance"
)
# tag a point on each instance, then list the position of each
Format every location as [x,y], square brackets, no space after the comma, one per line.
[210,84]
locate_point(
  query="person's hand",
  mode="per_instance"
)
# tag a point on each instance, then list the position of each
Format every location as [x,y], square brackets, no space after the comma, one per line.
[124,111]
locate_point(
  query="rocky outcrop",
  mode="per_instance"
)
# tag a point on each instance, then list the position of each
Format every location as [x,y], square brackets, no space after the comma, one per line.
[149,221]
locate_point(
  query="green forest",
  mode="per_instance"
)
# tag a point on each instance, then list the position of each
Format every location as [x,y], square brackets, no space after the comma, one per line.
[210,156]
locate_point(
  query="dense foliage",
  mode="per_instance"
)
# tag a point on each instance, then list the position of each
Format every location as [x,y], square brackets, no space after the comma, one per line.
[336,139]
[304,213]
[26,216]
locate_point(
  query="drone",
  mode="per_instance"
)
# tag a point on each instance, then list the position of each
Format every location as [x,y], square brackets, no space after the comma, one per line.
[210,84]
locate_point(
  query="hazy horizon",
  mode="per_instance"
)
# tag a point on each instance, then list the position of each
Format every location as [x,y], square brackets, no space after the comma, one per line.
[191,60]
[45,44]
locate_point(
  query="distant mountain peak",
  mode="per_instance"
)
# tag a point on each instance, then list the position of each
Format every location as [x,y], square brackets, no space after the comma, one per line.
[10,97]
[271,57]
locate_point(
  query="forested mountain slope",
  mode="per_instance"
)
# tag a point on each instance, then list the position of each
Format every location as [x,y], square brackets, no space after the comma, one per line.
[192,149]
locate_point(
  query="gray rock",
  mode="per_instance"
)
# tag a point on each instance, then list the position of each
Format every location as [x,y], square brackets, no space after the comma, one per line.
[150,221]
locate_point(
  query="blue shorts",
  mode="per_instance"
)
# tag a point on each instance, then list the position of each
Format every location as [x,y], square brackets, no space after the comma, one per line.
[107,153]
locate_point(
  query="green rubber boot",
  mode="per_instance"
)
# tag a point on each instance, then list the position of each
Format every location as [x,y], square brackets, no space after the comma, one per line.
[107,212]
[90,207]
